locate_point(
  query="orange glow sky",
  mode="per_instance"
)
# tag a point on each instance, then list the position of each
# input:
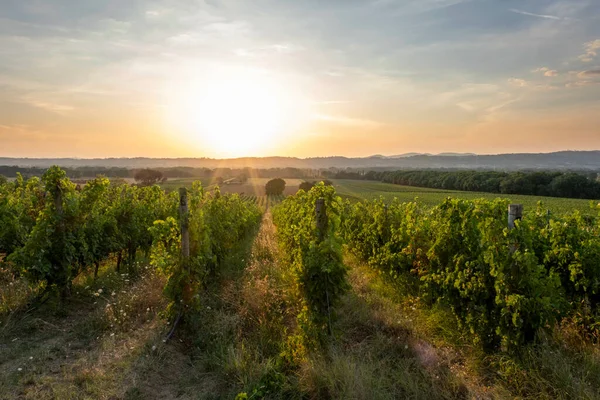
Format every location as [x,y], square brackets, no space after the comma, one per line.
[225,78]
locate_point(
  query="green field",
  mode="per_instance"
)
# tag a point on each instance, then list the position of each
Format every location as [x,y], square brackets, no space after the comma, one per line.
[253,187]
[359,190]
[355,190]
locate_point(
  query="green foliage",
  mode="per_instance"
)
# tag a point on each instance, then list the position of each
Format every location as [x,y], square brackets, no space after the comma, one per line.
[20,205]
[216,224]
[51,231]
[51,250]
[314,258]
[502,285]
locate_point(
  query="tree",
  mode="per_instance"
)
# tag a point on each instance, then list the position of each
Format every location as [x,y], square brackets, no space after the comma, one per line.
[148,177]
[3,180]
[275,187]
[327,182]
[306,186]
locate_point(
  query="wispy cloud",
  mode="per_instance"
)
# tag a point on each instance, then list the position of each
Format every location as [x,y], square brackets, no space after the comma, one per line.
[326,102]
[546,71]
[278,48]
[49,106]
[591,50]
[342,120]
[546,16]
[518,82]
[582,83]
[417,7]
[593,73]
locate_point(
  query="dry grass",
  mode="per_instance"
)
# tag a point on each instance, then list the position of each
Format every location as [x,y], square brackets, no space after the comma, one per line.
[86,349]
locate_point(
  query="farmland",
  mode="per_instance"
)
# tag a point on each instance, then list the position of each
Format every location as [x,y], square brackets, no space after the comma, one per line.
[253,187]
[355,190]
[280,297]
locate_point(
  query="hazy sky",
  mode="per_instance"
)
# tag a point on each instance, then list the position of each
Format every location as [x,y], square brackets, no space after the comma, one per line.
[96,78]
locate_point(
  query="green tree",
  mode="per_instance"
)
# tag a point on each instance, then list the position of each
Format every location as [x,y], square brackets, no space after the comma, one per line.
[306,186]
[275,187]
[148,177]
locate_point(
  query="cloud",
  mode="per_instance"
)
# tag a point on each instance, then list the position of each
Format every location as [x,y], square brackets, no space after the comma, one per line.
[514,10]
[347,121]
[278,48]
[546,71]
[51,106]
[590,50]
[466,106]
[518,82]
[593,73]
[228,29]
[326,102]
[582,83]
[417,7]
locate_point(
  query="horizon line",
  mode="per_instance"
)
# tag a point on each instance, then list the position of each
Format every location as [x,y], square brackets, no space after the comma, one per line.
[407,155]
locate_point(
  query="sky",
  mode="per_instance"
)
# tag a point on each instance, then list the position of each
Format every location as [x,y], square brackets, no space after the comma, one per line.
[229,78]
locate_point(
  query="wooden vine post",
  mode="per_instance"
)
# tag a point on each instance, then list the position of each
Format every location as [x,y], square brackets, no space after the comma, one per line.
[515,212]
[58,200]
[321,214]
[186,289]
[184,221]
[321,218]
[58,206]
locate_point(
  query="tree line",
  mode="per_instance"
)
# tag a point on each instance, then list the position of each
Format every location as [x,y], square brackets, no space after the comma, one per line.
[11,171]
[539,183]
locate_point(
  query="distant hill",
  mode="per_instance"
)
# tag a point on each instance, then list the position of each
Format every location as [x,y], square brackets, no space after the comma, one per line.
[562,160]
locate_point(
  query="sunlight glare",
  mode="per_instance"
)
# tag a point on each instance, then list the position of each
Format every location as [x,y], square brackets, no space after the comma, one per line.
[233,114]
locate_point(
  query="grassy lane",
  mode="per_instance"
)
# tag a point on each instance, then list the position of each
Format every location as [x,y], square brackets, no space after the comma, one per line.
[371,356]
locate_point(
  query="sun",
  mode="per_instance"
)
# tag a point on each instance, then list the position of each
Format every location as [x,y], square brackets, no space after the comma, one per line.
[231,114]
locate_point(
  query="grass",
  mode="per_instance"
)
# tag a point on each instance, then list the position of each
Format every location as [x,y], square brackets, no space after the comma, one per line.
[90,347]
[355,190]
